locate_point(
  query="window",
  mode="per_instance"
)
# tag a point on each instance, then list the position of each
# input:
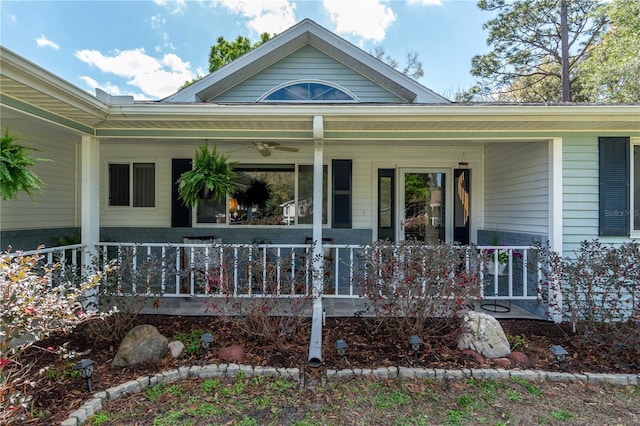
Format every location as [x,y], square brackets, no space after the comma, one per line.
[308,91]
[266,195]
[137,192]
[305,194]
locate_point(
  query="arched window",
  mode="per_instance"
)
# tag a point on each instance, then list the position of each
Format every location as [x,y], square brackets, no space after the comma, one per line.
[308,91]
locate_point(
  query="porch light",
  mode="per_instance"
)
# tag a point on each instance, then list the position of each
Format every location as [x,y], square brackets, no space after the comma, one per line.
[341,348]
[415,341]
[84,367]
[560,353]
[205,342]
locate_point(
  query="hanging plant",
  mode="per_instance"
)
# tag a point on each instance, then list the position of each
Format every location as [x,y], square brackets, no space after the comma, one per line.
[212,176]
[258,193]
[14,174]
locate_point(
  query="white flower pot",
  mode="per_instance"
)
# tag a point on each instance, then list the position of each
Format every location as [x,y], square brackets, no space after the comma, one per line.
[491,268]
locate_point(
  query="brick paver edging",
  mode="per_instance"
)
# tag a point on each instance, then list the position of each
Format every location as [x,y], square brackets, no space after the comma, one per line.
[94,404]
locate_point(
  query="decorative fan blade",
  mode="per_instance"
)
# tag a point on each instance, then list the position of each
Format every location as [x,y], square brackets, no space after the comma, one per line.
[276,145]
[285,148]
[263,148]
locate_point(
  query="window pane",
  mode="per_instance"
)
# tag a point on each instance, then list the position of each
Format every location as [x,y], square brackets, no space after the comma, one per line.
[144,185]
[305,194]
[264,194]
[211,211]
[309,92]
[385,202]
[636,186]
[118,184]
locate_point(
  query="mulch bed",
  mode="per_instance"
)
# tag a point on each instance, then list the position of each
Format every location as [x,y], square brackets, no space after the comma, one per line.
[370,346]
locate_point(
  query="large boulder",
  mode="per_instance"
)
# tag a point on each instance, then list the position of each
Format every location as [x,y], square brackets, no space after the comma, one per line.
[483,334]
[143,343]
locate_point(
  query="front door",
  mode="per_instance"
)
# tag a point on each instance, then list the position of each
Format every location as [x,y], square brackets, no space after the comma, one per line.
[423,210]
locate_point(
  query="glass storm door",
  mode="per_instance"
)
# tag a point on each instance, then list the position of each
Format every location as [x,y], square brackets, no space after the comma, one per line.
[422,202]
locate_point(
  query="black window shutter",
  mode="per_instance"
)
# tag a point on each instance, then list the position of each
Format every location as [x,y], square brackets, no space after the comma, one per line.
[614,186]
[341,193]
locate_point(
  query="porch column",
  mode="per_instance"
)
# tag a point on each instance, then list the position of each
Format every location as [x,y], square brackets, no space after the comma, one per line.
[555,220]
[90,190]
[318,147]
[315,342]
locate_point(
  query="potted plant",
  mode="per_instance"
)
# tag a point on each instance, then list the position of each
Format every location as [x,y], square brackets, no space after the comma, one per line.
[14,161]
[502,256]
[212,176]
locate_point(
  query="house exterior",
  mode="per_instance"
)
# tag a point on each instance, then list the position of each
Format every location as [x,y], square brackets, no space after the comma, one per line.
[355,150]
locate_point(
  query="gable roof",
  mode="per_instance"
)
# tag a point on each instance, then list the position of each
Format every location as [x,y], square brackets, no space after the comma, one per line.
[306,32]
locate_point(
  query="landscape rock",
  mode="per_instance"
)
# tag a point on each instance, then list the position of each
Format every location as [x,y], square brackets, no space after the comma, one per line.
[475,355]
[519,358]
[176,347]
[233,353]
[142,344]
[502,362]
[483,334]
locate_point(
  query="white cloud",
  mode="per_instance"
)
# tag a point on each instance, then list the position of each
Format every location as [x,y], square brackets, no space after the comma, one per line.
[177,5]
[265,16]
[426,2]
[156,78]
[157,21]
[367,19]
[43,42]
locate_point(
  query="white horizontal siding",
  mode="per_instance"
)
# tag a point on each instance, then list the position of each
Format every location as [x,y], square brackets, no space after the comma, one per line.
[366,159]
[516,187]
[307,63]
[55,206]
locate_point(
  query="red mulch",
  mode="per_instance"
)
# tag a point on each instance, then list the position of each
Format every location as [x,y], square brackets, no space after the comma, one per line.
[56,396]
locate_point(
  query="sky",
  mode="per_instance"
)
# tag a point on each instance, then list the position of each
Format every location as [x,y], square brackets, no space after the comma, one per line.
[149,48]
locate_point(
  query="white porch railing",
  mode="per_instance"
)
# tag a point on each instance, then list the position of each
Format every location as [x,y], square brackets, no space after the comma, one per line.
[281,270]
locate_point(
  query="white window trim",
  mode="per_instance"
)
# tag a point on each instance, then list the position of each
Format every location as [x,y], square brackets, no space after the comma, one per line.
[354,99]
[194,212]
[130,163]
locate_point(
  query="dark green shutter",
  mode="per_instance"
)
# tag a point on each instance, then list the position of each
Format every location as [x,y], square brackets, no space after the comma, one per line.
[341,193]
[614,186]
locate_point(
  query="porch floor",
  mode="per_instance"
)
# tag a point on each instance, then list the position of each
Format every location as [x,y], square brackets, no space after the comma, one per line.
[333,307]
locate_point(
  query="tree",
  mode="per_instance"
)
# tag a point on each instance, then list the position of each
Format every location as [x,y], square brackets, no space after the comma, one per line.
[14,173]
[412,68]
[225,51]
[536,42]
[611,71]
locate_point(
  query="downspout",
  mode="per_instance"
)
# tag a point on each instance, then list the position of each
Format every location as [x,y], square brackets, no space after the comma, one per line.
[315,343]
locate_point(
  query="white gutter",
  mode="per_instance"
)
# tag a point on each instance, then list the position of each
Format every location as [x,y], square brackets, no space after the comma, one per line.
[413,112]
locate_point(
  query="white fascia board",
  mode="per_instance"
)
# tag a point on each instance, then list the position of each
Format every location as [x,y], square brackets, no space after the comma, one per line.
[26,72]
[622,113]
[190,94]
[307,26]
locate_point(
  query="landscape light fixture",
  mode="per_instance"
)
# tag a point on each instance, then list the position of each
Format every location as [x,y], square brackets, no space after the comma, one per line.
[205,342]
[560,353]
[415,341]
[341,348]
[85,370]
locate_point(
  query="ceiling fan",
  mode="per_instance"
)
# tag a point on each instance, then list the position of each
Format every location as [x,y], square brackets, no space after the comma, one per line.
[265,148]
